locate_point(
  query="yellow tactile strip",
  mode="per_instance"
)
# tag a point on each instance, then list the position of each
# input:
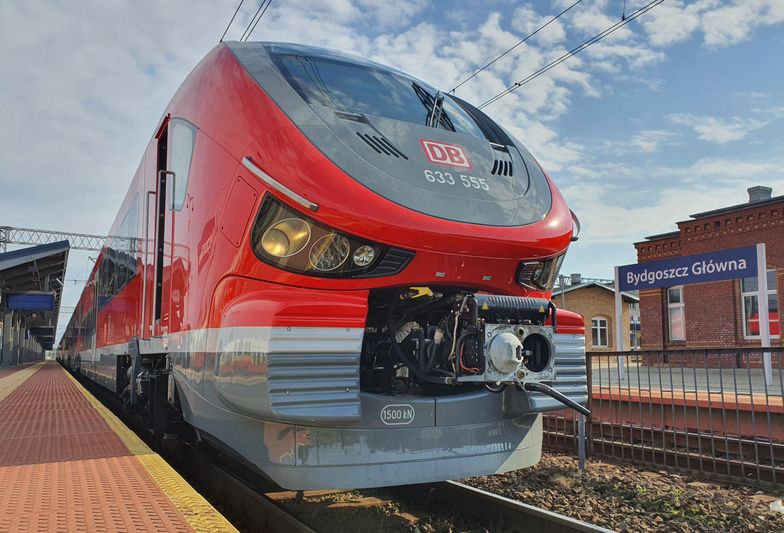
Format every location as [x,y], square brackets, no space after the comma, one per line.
[197,511]
[9,383]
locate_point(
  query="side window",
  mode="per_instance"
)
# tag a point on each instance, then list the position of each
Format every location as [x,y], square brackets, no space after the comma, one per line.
[183,137]
[750,305]
[676,314]
[599,332]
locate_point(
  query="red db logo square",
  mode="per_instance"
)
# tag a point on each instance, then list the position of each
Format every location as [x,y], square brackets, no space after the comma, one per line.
[445,154]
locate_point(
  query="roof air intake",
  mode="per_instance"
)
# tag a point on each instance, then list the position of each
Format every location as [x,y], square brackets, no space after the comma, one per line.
[381,145]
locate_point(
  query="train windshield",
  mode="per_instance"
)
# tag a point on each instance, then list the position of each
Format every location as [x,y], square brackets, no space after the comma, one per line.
[354,88]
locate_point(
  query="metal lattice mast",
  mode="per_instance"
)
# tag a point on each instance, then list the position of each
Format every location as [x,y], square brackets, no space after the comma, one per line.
[78,241]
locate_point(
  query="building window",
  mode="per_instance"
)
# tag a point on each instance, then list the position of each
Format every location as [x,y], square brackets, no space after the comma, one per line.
[599,332]
[750,302]
[676,314]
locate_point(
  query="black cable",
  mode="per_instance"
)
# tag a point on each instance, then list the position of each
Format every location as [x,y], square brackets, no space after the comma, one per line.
[540,28]
[232,20]
[261,5]
[573,52]
[398,354]
[257,21]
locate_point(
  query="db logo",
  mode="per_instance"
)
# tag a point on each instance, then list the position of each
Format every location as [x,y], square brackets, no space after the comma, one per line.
[445,154]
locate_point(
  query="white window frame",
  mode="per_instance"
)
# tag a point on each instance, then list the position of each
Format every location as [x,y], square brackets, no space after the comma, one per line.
[676,305]
[743,295]
[596,325]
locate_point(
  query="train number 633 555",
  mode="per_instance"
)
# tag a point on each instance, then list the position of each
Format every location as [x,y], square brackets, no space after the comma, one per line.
[437,176]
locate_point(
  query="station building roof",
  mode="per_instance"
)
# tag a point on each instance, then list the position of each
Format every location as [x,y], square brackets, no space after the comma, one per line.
[31,284]
[627,295]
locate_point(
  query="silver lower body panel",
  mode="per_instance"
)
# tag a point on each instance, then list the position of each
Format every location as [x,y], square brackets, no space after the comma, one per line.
[299,457]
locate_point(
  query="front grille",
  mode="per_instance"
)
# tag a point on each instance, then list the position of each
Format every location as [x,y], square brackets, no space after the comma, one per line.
[313,373]
[571,378]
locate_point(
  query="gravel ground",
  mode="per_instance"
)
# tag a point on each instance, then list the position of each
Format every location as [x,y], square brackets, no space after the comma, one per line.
[629,499]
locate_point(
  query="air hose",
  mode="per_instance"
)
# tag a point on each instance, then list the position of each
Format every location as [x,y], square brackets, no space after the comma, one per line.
[551,392]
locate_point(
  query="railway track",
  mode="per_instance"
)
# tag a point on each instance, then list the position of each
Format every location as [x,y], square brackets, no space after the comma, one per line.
[254,504]
[518,516]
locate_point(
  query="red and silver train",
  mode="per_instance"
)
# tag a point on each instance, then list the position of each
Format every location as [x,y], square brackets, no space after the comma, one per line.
[337,273]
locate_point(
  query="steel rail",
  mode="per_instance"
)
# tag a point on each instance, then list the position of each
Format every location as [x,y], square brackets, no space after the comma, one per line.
[261,511]
[518,515]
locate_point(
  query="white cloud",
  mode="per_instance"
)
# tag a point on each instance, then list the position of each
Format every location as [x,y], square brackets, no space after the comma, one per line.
[733,170]
[718,130]
[525,20]
[734,23]
[721,23]
[650,141]
[673,22]
[611,214]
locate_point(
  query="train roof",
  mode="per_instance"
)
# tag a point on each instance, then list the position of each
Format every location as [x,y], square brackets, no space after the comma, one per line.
[328,54]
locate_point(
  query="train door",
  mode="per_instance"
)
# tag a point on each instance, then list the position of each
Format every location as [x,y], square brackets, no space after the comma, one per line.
[175,142]
[161,260]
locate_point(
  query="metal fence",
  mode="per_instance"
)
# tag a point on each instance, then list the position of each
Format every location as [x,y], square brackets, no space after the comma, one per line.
[708,411]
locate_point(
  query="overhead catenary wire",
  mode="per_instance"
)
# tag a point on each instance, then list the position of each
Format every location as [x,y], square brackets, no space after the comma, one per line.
[573,52]
[521,41]
[232,20]
[255,19]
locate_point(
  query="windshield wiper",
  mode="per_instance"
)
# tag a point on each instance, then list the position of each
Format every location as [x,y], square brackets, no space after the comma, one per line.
[434,116]
[435,108]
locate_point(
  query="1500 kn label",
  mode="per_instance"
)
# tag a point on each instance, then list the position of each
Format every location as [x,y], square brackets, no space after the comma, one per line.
[400,414]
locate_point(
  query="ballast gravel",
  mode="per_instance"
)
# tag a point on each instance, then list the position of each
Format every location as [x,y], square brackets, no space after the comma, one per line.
[628,498]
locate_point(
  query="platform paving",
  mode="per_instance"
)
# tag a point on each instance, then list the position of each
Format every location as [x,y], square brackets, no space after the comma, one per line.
[715,380]
[68,464]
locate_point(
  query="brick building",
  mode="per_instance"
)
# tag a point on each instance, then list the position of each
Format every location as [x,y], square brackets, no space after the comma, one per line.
[721,313]
[595,301]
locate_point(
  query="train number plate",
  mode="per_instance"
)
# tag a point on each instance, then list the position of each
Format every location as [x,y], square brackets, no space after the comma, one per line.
[400,414]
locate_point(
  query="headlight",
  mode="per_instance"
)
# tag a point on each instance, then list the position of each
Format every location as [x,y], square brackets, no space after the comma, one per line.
[329,252]
[286,238]
[540,275]
[290,240]
[363,256]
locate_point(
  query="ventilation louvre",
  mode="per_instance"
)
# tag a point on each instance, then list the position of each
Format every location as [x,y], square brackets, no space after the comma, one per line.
[393,262]
[502,167]
[381,145]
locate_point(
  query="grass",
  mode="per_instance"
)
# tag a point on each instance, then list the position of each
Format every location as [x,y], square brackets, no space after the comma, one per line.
[669,504]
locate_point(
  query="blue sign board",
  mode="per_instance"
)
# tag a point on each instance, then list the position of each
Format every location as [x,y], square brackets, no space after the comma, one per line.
[714,266]
[30,302]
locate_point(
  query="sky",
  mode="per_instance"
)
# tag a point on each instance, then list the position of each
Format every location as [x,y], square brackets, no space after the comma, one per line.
[676,113]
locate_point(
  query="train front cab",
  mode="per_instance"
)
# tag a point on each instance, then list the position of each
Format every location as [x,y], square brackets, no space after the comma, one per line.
[288,397]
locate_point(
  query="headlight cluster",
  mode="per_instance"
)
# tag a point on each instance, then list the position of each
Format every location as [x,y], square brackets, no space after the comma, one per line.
[292,241]
[540,275]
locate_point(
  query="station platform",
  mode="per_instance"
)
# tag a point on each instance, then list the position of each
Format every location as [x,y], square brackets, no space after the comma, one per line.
[68,464]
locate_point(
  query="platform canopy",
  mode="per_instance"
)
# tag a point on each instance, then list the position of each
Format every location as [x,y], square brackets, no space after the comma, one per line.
[31,285]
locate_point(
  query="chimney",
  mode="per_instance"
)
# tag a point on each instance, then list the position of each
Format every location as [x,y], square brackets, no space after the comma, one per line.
[576,279]
[759,193]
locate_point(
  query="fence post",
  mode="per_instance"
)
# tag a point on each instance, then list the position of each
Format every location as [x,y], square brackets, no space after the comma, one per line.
[581,441]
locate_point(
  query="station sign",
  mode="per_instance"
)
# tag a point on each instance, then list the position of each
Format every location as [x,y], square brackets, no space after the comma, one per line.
[714,266]
[38,301]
